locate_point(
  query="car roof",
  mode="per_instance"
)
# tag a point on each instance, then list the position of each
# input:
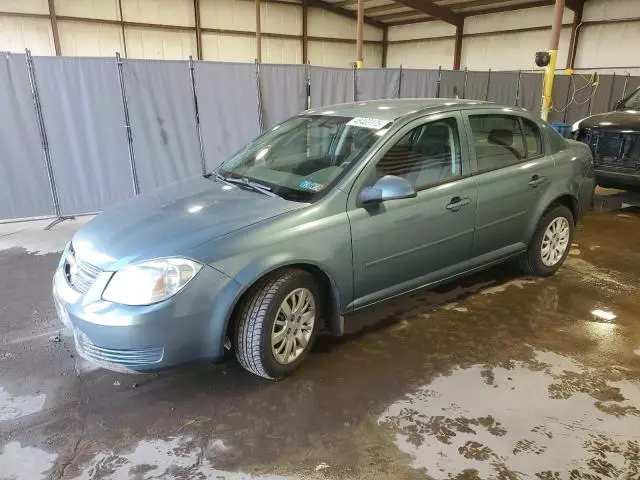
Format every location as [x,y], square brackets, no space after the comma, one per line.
[393,109]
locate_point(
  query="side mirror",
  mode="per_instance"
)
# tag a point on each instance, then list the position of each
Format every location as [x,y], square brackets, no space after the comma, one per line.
[387,188]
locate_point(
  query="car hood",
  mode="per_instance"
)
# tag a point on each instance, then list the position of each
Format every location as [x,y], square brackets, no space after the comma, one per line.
[614,120]
[170,221]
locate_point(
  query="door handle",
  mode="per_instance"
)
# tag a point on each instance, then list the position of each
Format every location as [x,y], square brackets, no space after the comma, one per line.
[536,180]
[457,203]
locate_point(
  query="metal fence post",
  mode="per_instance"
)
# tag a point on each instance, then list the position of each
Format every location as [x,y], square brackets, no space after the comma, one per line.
[613,84]
[127,127]
[486,96]
[399,83]
[518,88]
[45,142]
[260,116]
[464,85]
[355,83]
[308,75]
[626,84]
[203,162]
[439,81]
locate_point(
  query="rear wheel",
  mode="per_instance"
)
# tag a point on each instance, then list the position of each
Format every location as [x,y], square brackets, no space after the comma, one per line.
[550,244]
[277,323]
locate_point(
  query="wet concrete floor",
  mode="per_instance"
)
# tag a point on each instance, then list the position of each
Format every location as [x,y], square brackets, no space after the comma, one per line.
[495,376]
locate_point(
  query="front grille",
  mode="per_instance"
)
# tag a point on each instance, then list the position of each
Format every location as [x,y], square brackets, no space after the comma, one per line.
[79,273]
[619,150]
[122,357]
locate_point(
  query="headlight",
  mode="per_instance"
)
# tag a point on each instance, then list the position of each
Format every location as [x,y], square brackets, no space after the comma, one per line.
[150,282]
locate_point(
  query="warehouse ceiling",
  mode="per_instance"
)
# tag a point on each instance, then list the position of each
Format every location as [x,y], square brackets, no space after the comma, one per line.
[402,12]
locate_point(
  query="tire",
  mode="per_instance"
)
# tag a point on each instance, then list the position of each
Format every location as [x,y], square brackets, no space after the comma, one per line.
[256,323]
[533,262]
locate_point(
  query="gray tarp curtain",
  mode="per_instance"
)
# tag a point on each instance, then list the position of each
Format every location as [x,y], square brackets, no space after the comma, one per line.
[451,84]
[477,85]
[419,84]
[228,107]
[283,92]
[503,87]
[160,102]
[331,85]
[24,184]
[531,91]
[83,115]
[376,83]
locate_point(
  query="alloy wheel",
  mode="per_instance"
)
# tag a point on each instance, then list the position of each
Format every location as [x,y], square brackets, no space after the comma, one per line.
[293,326]
[555,241]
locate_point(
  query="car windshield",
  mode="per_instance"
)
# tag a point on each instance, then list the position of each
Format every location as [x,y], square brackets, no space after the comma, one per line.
[302,158]
[633,102]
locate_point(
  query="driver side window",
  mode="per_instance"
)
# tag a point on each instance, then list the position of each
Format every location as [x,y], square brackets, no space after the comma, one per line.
[427,155]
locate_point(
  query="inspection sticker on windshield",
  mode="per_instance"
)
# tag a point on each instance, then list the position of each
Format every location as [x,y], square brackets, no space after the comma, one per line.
[373,123]
[312,186]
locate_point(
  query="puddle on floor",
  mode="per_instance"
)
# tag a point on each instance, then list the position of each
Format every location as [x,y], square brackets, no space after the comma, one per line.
[24,463]
[16,406]
[175,457]
[545,417]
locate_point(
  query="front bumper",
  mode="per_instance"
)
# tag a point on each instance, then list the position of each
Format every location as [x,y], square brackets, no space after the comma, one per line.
[614,178]
[187,327]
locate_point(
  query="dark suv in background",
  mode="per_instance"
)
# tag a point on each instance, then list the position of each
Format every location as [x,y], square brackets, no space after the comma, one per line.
[614,139]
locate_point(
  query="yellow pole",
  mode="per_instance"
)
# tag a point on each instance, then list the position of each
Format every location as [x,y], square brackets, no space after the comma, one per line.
[547,88]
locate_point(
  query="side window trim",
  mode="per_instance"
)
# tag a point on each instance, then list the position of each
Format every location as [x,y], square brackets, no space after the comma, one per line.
[540,137]
[465,152]
[473,160]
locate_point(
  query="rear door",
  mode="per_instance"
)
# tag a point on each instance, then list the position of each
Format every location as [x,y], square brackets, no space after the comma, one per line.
[512,174]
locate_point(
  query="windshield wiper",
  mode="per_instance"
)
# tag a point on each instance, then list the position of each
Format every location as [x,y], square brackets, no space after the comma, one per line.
[246,182]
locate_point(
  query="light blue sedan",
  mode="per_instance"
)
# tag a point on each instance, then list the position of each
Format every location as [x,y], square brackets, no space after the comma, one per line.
[331,211]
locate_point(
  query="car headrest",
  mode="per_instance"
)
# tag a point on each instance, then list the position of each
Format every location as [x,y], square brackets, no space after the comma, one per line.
[501,137]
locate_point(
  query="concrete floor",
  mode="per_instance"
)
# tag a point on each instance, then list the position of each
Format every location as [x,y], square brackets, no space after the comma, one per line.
[496,376]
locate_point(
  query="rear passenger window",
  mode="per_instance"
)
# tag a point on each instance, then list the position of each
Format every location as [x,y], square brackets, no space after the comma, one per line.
[532,138]
[427,155]
[498,141]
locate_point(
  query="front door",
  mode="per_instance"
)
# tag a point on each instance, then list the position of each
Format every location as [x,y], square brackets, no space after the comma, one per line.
[400,245]
[512,173]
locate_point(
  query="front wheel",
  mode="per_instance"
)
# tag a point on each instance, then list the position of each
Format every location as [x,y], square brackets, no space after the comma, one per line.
[550,244]
[277,323]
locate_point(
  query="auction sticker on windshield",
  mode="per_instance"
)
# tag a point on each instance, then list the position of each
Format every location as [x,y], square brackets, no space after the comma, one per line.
[372,123]
[309,185]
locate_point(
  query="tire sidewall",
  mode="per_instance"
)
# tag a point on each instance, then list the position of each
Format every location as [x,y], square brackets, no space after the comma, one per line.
[536,250]
[299,280]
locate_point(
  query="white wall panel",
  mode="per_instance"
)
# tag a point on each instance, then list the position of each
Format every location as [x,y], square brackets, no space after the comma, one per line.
[80,39]
[228,48]
[25,6]
[106,9]
[510,51]
[241,15]
[159,44]
[322,23]
[168,12]
[332,54]
[372,53]
[609,46]
[421,54]
[16,34]
[421,30]
[610,9]
[530,17]
[281,50]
